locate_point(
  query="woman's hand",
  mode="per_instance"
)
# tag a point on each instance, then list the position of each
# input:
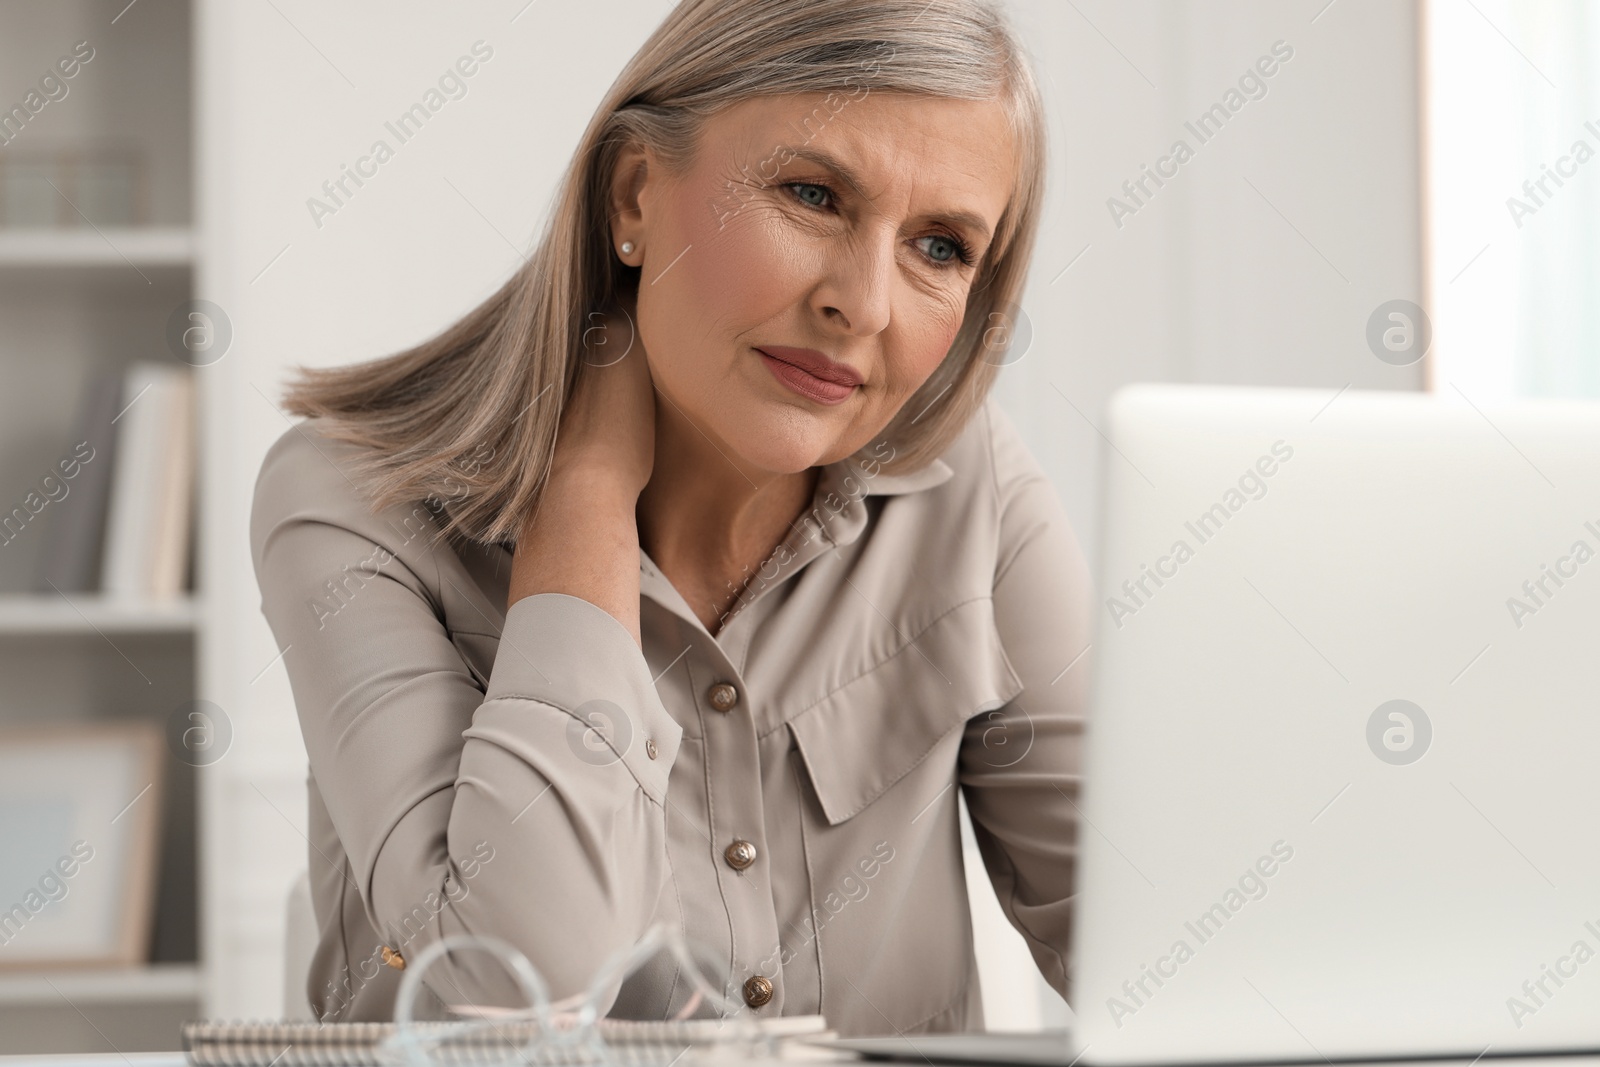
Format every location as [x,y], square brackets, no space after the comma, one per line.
[609,428]
[583,539]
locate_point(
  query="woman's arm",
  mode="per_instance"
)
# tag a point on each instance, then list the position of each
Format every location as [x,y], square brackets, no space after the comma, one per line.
[1020,764]
[422,768]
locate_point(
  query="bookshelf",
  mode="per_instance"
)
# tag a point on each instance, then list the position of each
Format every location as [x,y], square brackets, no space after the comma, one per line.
[158,983]
[86,293]
[161,248]
[22,614]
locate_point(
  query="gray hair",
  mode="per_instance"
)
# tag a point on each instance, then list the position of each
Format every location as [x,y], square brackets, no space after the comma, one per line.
[470,416]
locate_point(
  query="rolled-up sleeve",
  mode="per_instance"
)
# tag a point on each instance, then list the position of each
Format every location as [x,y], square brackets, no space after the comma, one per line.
[529,808]
[1020,765]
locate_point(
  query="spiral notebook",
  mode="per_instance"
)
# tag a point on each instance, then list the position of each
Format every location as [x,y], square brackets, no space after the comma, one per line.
[571,1032]
[612,1041]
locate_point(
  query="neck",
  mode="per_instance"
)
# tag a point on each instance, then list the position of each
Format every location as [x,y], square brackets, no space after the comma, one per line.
[708,520]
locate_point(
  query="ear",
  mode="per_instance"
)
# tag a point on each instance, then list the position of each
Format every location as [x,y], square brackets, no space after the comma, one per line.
[628,196]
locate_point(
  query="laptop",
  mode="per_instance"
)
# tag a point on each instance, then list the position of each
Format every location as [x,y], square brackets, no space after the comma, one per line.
[1342,767]
[1342,772]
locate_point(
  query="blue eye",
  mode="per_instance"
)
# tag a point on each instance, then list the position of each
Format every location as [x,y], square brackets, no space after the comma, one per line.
[956,251]
[805,185]
[959,252]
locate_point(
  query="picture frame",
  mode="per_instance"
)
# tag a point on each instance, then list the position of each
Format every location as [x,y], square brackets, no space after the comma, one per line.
[80,825]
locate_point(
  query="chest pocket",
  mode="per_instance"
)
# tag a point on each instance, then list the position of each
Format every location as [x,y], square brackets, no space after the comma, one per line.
[865,736]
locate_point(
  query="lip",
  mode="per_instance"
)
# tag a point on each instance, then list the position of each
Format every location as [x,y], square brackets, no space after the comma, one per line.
[810,373]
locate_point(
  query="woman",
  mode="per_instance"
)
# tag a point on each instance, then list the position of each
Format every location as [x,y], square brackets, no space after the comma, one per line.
[683,579]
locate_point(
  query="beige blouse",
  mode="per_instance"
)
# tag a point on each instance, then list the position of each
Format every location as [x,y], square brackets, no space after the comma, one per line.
[783,792]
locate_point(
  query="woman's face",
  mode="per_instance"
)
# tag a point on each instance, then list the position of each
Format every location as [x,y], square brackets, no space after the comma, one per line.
[867,260]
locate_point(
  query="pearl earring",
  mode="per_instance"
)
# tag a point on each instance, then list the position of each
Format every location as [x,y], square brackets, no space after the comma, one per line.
[627,247]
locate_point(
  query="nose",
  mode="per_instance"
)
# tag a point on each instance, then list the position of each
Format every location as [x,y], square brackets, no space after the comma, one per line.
[857,281]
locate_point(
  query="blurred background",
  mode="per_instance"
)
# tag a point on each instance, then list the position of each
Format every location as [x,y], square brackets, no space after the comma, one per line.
[1409,200]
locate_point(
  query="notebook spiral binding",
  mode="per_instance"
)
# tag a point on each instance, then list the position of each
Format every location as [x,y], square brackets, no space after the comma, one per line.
[540,1035]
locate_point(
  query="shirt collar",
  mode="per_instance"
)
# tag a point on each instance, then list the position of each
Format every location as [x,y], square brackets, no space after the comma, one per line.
[838,507]
[836,516]
[882,484]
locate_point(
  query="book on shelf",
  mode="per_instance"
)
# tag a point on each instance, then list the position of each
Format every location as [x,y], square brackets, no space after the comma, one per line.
[147,527]
[74,526]
[129,537]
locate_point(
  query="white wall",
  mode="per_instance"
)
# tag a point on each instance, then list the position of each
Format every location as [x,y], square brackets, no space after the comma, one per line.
[1207,282]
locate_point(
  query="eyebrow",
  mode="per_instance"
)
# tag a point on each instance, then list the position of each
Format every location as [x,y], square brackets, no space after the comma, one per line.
[851,178]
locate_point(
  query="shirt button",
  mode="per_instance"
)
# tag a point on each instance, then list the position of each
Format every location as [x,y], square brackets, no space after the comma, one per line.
[757,991]
[723,696]
[740,855]
[650,747]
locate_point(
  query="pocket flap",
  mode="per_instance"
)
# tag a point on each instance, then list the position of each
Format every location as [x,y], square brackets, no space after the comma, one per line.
[868,734]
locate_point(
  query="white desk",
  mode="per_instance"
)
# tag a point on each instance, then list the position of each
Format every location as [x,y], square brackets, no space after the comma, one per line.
[176,1059]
